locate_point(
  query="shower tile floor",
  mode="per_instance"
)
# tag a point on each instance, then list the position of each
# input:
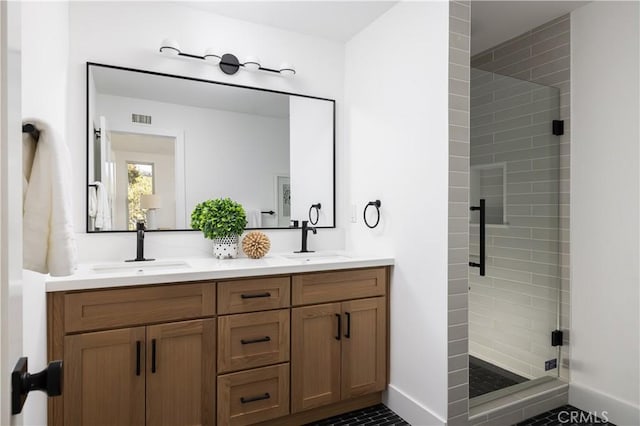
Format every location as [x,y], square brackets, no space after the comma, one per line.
[485,377]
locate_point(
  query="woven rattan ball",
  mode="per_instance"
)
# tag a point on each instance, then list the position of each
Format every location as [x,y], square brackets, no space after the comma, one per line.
[256,244]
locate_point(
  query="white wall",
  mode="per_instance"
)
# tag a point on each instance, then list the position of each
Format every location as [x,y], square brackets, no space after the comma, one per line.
[396,127]
[605,196]
[129,34]
[44,96]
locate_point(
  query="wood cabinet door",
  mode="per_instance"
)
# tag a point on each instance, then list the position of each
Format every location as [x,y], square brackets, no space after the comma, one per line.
[315,356]
[364,347]
[181,373]
[104,378]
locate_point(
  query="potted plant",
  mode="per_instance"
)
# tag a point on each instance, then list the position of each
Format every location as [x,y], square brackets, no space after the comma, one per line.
[223,221]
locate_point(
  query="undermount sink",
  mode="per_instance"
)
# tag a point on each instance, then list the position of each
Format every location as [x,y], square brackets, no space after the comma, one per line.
[153,265]
[318,257]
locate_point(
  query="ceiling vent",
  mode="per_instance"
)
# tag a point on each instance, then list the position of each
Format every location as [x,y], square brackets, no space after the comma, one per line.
[141,119]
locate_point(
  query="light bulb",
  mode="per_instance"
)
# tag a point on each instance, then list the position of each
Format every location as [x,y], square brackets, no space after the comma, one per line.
[287,70]
[252,63]
[212,57]
[169,47]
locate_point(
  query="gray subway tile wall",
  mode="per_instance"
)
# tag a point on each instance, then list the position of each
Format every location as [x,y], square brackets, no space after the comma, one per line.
[459,74]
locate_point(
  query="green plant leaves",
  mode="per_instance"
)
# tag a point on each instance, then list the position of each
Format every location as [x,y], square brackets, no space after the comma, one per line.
[218,218]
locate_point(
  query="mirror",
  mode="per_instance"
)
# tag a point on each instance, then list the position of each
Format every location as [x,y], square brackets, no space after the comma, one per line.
[159,144]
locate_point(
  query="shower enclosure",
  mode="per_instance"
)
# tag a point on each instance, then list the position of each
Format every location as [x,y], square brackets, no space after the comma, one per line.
[514,274]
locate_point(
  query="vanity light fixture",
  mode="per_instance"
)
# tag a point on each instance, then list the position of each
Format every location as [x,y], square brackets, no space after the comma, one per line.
[228,63]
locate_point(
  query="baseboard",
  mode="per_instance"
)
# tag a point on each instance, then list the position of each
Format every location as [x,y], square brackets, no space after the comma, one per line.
[410,409]
[617,411]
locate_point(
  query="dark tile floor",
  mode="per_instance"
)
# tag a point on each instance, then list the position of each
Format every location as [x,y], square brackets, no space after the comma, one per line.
[566,415]
[378,415]
[485,377]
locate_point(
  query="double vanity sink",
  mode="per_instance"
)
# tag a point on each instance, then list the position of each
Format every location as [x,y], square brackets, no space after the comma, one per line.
[283,340]
[99,275]
[160,265]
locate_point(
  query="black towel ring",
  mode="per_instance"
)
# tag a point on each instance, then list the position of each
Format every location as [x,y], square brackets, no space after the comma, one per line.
[317,208]
[377,205]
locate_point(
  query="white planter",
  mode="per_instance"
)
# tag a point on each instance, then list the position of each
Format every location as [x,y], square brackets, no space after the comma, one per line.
[226,248]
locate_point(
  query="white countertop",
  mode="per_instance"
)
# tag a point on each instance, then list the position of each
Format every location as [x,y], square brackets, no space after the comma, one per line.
[121,274]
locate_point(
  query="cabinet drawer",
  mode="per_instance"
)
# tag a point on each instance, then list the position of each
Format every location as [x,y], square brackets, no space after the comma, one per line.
[256,294]
[253,396]
[101,309]
[341,285]
[252,340]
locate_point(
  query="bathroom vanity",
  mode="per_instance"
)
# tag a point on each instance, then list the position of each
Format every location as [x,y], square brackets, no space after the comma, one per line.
[237,342]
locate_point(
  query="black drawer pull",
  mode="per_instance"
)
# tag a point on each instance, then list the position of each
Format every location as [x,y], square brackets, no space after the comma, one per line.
[255,398]
[258,340]
[255,296]
[138,358]
[339,332]
[153,355]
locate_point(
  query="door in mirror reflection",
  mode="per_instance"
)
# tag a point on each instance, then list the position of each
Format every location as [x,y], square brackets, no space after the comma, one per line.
[145,165]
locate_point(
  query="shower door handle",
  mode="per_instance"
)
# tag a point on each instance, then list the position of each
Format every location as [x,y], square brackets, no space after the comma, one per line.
[482,210]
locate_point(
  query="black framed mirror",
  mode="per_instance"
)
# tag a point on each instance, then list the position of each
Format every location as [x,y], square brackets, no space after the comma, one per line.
[158,144]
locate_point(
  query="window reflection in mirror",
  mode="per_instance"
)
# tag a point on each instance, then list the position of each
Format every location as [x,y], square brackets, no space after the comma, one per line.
[272,152]
[139,183]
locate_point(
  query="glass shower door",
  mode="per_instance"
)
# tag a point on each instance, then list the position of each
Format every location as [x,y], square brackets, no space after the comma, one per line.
[514,173]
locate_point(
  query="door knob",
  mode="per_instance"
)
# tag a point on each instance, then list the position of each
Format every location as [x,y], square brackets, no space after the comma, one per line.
[48,380]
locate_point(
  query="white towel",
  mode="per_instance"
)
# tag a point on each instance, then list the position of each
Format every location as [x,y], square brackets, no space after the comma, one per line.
[103,209]
[49,243]
[92,202]
[254,219]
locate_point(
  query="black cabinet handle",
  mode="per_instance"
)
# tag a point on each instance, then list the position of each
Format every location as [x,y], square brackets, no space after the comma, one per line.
[258,340]
[348,333]
[339,333]
[482,210]
[138,358]
[153,355]
[256,295]
[244,400]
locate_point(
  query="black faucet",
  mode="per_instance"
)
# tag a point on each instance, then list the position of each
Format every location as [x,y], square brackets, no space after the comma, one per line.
[305,232]
[139,243]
